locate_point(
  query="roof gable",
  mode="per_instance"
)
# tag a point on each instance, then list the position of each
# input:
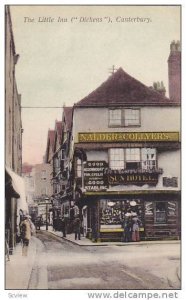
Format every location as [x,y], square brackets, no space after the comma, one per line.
[67,115]
[50,145]
[122,89]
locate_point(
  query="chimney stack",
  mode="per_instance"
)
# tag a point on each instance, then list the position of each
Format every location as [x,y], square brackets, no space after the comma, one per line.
[174,71]
[159,87]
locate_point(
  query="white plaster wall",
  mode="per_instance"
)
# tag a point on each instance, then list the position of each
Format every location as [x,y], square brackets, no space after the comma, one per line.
[97,155]
[170,162]
[152,119]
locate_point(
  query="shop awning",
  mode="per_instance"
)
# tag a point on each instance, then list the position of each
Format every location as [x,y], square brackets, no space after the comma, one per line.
[15,188]
[9,189]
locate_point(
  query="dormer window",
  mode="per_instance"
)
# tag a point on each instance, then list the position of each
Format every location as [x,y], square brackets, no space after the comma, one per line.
[124,117]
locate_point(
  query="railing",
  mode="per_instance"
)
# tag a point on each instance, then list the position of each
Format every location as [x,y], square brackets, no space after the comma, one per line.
[133,171]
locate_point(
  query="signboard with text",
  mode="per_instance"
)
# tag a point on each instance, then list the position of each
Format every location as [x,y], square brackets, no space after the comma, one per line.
[136,179]
[105,137]
[94,177]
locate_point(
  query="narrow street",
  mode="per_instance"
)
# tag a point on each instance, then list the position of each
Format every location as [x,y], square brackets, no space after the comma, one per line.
[62,265]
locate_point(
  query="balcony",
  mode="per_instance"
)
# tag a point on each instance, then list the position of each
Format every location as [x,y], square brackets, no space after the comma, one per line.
[109,171]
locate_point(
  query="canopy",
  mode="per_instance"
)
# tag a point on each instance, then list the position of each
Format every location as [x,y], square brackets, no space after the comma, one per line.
[17,189]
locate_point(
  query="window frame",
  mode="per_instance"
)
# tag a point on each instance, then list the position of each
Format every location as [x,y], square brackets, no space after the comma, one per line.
[139,162]
[123,117]
[155,213]
[117,160]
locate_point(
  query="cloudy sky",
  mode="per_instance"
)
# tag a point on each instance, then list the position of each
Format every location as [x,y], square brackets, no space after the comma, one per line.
[64,56]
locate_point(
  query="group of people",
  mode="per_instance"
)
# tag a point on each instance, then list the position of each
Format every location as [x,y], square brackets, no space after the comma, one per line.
[131,228]
[76,227]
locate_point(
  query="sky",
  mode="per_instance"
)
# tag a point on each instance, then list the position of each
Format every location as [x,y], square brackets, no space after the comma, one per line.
[63,61]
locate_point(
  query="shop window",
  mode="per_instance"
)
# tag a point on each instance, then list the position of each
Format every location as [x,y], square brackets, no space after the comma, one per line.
[116,158]
[112,212]
[124,117]
[160,212]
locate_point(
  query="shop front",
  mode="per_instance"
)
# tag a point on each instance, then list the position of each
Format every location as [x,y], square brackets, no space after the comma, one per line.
[158,214]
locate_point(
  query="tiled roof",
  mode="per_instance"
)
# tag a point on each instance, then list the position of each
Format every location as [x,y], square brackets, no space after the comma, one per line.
[122,89]
[58,128]
[51,136]
[50,144]
[68,116]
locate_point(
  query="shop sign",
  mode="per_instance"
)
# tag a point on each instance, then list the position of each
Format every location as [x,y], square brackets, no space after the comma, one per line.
[94,177]
[133,171]
[105,137]
[136,179]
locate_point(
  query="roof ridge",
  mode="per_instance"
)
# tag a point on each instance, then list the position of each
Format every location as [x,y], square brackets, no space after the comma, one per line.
[121,88]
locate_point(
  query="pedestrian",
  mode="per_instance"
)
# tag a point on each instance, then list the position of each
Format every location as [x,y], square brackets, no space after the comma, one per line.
[127,228]
[77,228]
[135,228]
[25,230]
[63,227]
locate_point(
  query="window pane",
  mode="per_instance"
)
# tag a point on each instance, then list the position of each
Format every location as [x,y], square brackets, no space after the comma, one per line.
[160,212]
[115,117]
[148,158]
[116,158]
[133,154]
[132,117]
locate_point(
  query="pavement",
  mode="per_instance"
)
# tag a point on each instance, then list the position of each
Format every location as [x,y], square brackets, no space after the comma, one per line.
[18,269]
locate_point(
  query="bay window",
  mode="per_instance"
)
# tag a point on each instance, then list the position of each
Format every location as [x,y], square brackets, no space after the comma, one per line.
[133,158]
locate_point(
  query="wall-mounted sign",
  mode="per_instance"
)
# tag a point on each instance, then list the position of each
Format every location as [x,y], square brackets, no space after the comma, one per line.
[94,177]
[106,137]
[136,179]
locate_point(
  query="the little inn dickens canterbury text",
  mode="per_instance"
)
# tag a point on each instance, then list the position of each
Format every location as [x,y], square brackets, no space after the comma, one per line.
[86,19]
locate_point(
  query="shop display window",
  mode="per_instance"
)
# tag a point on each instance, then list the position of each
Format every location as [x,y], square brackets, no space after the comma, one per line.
[112,212]
[160,212]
